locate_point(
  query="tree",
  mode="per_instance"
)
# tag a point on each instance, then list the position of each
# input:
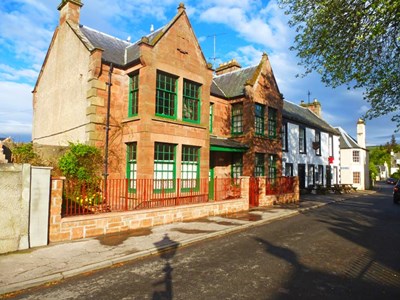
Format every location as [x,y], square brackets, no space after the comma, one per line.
[351,42]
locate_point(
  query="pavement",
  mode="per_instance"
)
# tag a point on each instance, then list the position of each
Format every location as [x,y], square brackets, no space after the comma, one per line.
[29,268]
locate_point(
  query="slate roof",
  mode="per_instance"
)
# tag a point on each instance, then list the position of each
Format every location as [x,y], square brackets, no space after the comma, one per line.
[306,117]
[231,85]
[346,141]
[226,143]
[116,51]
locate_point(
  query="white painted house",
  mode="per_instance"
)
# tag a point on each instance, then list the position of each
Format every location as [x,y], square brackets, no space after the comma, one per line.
[310,145]
[354,158]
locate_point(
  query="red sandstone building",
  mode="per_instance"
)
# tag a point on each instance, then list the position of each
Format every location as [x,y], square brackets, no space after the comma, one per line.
[169,115]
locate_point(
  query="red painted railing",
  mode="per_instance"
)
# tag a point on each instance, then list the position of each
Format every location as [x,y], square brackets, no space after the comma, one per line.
[126,195]
[279,185]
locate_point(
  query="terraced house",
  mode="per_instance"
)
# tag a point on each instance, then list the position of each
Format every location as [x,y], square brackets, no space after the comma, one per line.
[156,104]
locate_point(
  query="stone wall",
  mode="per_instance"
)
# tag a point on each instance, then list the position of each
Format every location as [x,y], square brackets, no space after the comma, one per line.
[72,228]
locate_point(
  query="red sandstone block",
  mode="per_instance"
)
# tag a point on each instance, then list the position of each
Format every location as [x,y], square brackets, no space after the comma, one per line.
[77,233]
[112,225]
[94,232]
[113,230]
[146,223]
[62,236]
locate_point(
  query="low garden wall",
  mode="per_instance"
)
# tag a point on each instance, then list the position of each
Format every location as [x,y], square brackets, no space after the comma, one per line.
[78,227]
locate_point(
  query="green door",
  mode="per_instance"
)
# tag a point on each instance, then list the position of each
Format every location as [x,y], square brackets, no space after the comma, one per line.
[211,183]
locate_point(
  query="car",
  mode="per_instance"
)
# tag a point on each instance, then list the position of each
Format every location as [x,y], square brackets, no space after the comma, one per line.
[396,192]
[391,181]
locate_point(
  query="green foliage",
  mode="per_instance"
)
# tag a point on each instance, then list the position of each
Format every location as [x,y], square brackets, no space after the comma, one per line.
[81,162]
[373,170]
[24,153]
[352,42]
[395,175]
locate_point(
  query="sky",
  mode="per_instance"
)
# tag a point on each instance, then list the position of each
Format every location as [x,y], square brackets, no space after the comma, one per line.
[226,30]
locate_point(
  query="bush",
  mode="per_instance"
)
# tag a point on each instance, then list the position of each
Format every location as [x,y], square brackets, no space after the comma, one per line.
[24,153]
[81,163]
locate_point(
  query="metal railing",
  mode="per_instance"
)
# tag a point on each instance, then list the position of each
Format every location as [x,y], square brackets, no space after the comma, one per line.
[134,194]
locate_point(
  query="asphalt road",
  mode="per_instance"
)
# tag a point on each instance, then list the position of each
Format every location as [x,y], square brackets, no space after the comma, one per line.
[347,250]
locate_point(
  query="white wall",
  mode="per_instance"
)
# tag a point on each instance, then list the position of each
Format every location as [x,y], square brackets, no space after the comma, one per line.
[60,100]
[310,158]
[348,167]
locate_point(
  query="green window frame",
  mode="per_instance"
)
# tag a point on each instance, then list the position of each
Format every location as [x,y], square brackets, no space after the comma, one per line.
[237,166]
[133,95]
[237,118]
[211,120]
[259,119]
[166,95]
[190,168]
[272,166]
[131,165]
[191,101]
[164,166]
[259,168]
[272,122]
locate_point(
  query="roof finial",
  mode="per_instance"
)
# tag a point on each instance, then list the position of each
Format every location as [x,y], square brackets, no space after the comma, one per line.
[181,7]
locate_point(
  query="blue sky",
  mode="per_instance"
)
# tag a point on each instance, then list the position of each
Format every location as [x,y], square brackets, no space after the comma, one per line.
[243,30]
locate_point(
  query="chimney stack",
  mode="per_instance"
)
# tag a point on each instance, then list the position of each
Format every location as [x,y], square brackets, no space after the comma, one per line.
[70,11]
[315,107]
[228,67]
[361,134]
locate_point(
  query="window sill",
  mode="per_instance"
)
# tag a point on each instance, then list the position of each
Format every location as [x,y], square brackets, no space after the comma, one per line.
[130,119]
[178,122]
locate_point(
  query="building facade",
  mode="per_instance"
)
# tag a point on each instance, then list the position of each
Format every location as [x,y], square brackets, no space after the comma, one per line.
[354,158]
[154,105]
[310,146]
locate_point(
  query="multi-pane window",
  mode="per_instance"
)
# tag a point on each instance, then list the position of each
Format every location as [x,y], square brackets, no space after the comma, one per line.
[284,137]
[191,101]
[272,122]
[259,169]
[311,175]
[272,166]
[237,166]
[302,139]
[166,95]
[356,156]
[317,143]
[237,118]
[288,169]
[164,166]
[190,167]
[356,177]
[211,116]
[259,119]
[133,95]
[131,164]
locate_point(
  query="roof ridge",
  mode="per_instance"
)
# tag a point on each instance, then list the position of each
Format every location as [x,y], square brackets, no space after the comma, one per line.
[105,34]
[239,70]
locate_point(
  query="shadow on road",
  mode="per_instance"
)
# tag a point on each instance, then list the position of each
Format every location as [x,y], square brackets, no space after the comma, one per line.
[307,283]
[166,249]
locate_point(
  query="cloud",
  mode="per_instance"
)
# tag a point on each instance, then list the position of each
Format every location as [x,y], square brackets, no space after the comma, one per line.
[15,108]
[26,32]
[10,73]
[254,23]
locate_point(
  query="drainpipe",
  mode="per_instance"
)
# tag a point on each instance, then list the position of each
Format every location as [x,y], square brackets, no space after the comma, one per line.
[107,129]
